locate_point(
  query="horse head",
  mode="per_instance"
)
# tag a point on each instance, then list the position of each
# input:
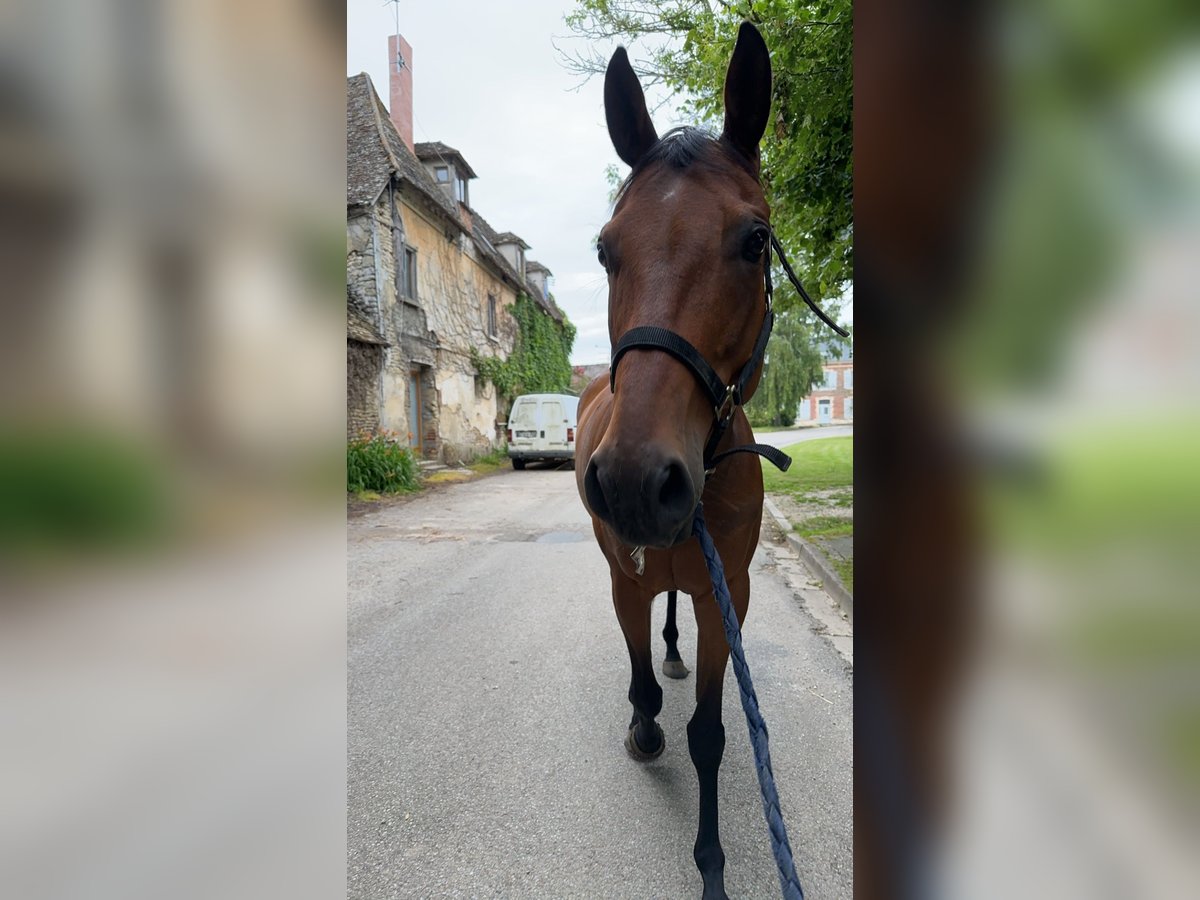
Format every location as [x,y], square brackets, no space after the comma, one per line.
[685,251]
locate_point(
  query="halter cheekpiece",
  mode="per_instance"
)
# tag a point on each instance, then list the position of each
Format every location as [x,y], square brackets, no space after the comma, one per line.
[726,398]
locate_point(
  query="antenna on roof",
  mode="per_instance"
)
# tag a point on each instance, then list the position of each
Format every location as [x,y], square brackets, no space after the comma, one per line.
[400,61]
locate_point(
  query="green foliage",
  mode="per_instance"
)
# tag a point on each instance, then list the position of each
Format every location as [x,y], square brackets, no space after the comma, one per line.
[540,361]
[807,150]
[78,491]
[377,463]
[793,366]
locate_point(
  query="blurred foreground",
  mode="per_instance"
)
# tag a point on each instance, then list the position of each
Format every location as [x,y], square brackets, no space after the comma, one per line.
[1028,293]
[171,425]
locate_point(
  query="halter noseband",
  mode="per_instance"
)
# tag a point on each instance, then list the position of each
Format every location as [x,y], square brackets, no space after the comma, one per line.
[726,398]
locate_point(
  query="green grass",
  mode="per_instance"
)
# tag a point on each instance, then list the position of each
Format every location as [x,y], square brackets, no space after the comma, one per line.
[845,571]
[1107,486]
[823,464]
[822,474]
[824,526]
[831,527]
[485,465]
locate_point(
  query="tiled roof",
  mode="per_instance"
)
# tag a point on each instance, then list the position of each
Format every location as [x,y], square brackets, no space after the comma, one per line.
[490,240]
[367,164]
[432,150]
[375,151]
[532,265]
[507,237]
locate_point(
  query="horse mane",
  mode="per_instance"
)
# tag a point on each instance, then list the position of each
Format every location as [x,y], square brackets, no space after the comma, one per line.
[683,146]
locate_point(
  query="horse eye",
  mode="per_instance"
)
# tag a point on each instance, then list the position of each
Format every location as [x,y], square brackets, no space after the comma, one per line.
[756,244]
[600,256]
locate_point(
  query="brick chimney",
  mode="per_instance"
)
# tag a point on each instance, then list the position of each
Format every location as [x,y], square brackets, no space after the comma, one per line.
[400,84]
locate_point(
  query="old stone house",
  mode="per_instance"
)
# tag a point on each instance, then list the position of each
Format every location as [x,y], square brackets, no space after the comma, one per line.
[430,276]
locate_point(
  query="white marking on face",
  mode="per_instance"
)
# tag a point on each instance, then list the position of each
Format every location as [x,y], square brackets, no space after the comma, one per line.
[668,195]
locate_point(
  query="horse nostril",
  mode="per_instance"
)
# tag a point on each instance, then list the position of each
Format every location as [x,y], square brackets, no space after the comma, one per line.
[676,492]
[594,492]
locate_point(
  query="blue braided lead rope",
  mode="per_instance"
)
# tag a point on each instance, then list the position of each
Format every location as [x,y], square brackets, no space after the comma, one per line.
[754,720]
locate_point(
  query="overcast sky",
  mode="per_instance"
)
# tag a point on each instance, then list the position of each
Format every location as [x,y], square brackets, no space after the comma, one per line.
[487,81]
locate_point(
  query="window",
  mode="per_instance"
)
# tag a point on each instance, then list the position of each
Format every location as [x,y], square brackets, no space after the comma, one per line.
[442,174]
[460,189]
[830,382]
[850,408]
[848,379]
[408,274]
[491,320]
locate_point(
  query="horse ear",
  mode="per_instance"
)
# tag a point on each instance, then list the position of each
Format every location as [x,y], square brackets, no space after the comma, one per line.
[629,124]
[748,92]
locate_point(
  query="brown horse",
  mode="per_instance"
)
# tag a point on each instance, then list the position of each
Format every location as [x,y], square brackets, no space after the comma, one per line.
[686,254]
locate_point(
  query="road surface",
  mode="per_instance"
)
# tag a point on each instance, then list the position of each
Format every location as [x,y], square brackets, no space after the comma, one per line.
[796,435]
[487,708]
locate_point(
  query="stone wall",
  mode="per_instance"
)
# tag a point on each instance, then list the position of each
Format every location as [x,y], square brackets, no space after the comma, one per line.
[363,363]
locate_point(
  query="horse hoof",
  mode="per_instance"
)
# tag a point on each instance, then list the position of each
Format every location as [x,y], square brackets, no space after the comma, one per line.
[632,748]
[674,668]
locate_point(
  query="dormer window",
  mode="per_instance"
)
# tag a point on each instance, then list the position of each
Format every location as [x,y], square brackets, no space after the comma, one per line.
[460,189]
[442,174]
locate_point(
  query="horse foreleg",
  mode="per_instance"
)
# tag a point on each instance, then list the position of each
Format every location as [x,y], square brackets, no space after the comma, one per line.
[706,733]
[673,666]
[645,739]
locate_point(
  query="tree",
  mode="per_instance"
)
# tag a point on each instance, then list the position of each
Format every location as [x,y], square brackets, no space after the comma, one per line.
[793,366]
[807,151]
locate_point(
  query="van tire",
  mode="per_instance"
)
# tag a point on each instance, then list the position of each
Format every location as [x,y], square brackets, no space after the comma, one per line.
[518,464]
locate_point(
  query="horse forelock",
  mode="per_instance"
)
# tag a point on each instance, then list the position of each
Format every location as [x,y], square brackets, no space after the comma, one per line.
[683,147]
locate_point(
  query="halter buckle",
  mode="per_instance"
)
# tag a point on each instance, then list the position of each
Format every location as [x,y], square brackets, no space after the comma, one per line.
[725,409]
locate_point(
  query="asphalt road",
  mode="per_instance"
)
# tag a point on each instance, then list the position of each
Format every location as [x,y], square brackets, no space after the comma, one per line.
[796,435]
[487,708]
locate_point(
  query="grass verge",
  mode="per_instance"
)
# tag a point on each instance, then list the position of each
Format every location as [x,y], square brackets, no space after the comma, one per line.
[824,464]
[820,484]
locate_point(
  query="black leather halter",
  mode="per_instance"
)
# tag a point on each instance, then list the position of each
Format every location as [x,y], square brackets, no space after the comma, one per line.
[725,397]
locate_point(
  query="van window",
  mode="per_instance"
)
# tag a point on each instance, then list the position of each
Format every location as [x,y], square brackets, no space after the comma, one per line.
[524,415]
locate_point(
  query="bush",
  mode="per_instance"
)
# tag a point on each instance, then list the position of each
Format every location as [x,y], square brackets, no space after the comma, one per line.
[377,463]
[67,490]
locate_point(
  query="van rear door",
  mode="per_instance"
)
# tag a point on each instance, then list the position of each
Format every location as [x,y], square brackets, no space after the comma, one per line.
[556,425]
[524,423]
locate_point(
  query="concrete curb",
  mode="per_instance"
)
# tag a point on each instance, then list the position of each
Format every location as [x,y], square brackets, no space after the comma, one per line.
[815,559]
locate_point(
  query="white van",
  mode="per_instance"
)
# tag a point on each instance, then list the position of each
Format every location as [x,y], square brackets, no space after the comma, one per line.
[542,426]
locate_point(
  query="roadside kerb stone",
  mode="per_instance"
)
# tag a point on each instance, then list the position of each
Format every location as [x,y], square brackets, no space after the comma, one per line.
[815,559]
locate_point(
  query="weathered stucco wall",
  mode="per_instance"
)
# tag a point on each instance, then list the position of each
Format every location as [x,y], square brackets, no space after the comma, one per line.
[435,335]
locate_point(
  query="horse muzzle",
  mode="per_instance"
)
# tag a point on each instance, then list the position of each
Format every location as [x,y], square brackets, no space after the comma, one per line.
[648,499]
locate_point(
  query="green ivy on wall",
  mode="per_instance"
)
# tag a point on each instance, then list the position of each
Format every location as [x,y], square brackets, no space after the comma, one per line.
[541,360]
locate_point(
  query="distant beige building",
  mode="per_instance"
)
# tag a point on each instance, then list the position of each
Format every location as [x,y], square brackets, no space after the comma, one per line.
[428,281]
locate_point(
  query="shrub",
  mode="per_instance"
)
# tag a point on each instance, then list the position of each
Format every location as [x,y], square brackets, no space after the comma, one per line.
[377,463]
[68,490]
